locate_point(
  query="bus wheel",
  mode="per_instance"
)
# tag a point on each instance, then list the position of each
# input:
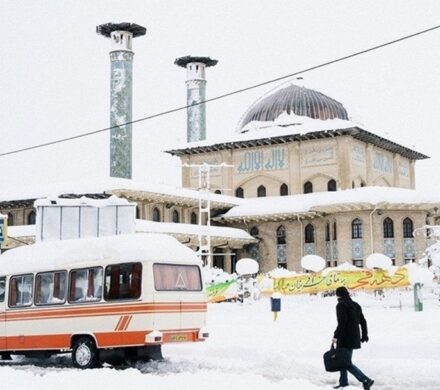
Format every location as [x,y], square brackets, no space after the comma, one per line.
[85,354]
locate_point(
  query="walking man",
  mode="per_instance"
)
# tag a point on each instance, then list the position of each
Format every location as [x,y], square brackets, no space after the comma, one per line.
[347,335]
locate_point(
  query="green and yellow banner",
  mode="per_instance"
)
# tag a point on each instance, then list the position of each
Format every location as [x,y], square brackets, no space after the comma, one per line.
[353,280]
[222,291]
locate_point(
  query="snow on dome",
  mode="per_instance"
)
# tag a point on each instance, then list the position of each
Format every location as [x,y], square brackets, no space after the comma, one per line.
[127,247]
[378,260]
[292,99]
[246,267]
[313,263]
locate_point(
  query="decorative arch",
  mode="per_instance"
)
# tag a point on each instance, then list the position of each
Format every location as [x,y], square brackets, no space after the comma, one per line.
[388,228]
[176,216]
[217,192]
[356,228]
[156,215]
[308,187]
[193,218]
[10,219]
[284,189]
[31,218]
[261,191]
[239,192]
[331,185]
[408,228]
[381,181]
[309,234]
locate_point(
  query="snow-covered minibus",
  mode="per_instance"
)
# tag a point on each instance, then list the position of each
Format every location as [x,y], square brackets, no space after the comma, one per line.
[105,299]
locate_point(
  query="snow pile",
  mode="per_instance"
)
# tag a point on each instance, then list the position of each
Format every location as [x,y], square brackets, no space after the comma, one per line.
[216,275]
[247,267]
[83,201]
[379,260]
[419,274]
[313,263]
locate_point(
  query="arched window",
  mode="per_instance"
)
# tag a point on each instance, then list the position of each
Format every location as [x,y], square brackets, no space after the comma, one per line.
[281,247]
[10,219]
[388,228]
[138,212]
[408,228]
[284,189]
[254,232]
[334,231]
[194,218]
[31,218]
[331,185]
[308,187]
[353,185]
[363,184]
[281,235]
[239,193]
[156,215]
[309,234]
[261,191]
[327,232]
[176,216]
[217,192]
[356,228]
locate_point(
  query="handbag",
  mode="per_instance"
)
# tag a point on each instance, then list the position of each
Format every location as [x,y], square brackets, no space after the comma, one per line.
[337,359]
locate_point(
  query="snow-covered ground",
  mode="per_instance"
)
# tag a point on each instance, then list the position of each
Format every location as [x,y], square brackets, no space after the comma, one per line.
[248,350]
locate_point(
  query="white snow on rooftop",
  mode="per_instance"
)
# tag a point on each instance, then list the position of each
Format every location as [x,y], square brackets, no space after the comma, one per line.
[130,247]
[285,124]
[301,203]
[184,228]
[105,185]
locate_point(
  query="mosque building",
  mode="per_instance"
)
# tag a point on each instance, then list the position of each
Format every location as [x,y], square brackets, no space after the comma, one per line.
[305,180]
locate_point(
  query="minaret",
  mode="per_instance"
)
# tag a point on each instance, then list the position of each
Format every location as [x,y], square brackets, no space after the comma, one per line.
[121,93]
[196,92]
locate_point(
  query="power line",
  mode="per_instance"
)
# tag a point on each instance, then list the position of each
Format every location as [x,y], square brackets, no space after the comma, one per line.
[224,95]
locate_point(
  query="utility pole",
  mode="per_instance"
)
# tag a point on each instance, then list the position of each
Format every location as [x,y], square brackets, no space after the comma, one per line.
[204,189]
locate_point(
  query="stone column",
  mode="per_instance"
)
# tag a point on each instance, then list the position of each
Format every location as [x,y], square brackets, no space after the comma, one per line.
[412,174]
[344,162]
[294,169]
[369,163]
[396,170]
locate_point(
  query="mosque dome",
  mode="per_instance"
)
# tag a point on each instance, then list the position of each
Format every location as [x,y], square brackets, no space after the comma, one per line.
[293,100]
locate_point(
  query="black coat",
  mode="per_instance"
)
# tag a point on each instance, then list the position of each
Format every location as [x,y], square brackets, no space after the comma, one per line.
[350,317]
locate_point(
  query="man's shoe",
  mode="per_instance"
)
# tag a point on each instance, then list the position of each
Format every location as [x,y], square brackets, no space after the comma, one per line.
[339,387]
[367,384]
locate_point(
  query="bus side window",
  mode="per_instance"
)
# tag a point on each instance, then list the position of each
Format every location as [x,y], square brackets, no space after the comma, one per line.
[85,285]
[123,281]
[20,290]
[50,288]
[2,288]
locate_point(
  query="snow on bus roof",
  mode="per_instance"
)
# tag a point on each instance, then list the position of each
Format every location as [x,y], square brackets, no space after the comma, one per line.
[129,247]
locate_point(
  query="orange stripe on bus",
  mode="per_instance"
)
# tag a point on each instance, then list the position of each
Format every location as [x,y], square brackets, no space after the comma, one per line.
[104,340]
[128,322]
[99,311]
[117,325]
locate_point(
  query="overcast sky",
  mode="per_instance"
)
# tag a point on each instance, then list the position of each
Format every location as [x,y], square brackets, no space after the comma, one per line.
[55,77]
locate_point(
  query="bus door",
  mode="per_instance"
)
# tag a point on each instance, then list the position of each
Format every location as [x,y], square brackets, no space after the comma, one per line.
[166,297]
[181,286]
[2,313]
